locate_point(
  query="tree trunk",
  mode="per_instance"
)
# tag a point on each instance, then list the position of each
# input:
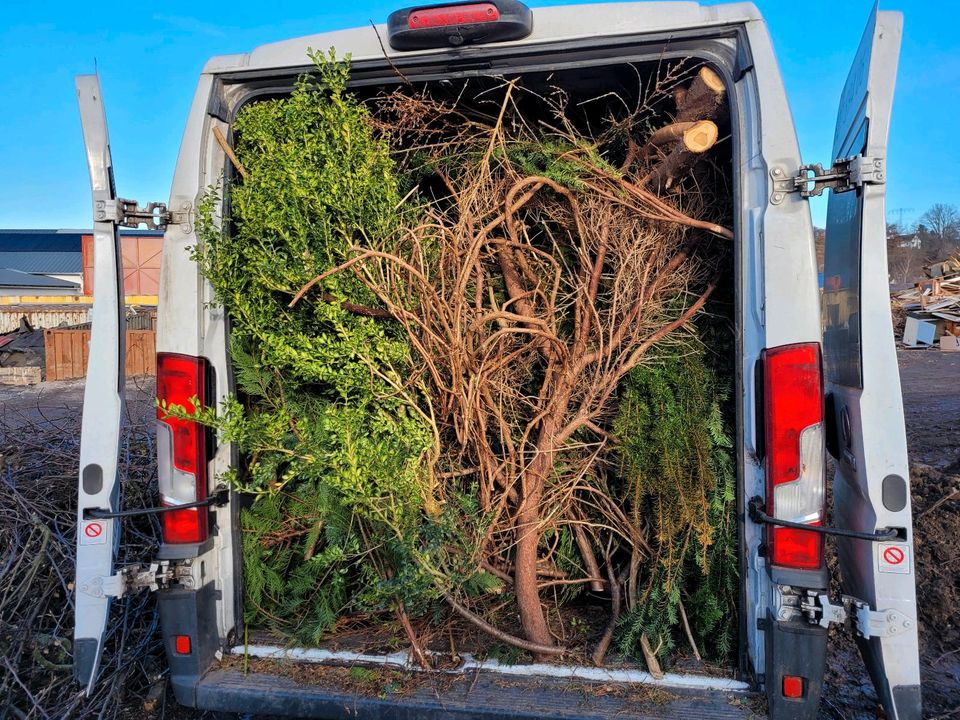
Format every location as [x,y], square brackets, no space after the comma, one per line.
[534,480]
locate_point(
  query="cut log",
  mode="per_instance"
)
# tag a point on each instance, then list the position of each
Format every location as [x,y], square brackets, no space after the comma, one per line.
[703,99]
[695,138]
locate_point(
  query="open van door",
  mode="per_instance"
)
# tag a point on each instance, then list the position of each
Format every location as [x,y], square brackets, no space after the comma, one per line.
[866,435]
[103,400]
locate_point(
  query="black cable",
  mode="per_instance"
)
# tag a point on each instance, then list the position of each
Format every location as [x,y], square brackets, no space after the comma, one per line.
[217,499]
[759,516]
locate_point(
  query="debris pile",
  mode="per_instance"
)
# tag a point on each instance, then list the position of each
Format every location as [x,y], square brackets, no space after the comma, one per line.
[39,458]
[932,308]
[479,336]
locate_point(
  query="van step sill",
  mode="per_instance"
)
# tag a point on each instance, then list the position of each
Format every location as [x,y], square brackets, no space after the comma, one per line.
[471,665]
[475,696]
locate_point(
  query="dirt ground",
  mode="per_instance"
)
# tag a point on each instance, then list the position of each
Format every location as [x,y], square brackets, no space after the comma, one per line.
[930,382]
[931,392]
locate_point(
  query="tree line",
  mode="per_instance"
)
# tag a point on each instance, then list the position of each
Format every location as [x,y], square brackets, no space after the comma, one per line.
[934,237]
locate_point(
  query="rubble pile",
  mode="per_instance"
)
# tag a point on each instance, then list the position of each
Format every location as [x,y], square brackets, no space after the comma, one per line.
[932,308]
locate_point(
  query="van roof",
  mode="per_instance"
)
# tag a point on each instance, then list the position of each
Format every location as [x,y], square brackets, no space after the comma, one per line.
[568,22]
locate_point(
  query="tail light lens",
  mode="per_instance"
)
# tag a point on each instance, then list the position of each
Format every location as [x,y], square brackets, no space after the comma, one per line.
[181,447]
[453,15]
[794,460]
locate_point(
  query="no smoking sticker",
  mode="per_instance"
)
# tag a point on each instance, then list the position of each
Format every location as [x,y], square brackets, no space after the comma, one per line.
[894,558]
[92,532]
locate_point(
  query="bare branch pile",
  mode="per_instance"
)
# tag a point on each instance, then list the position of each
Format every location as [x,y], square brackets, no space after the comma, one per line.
[39,457]
[529,297]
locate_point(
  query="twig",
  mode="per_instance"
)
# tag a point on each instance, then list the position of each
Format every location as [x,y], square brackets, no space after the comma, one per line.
[412,637]
[222,142]
[686,629]
[601,650]
[653,665]
[383,49]
[499,634]
[938,503]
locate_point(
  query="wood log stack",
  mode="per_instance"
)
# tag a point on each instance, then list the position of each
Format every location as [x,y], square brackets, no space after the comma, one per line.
[675,148]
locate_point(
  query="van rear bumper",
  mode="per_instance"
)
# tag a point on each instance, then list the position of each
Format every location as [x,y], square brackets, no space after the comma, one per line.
[480,696]
[190,614]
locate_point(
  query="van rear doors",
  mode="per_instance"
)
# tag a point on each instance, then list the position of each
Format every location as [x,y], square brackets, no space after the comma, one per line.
[103,398]
[864,408]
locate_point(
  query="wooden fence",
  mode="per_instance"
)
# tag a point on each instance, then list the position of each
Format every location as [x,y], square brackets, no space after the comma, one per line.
[66,353]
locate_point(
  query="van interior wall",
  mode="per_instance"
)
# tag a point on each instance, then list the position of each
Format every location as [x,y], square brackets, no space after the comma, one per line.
[672,416]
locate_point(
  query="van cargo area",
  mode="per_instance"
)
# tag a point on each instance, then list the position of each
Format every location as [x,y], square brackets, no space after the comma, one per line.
[615,105]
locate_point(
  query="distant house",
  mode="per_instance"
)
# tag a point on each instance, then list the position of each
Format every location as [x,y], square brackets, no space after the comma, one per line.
[906,240]
[56,264]
[19,283]
[51,253]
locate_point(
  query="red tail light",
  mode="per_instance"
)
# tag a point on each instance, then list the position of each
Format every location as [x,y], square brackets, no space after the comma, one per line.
[181,447]
[793,437]
[453,15]
[458,24]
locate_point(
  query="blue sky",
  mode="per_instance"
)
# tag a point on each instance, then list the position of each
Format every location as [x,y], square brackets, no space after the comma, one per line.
[149,55]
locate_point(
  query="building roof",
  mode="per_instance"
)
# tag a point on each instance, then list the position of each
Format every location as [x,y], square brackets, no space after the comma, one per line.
[53,240]
[32,261]
[16,279]
[40,240]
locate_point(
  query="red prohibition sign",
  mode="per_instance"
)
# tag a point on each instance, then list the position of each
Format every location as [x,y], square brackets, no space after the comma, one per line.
[93,530]
[893,555]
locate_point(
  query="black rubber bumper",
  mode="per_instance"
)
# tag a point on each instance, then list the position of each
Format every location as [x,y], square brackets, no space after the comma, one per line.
[796,650]
[191,614]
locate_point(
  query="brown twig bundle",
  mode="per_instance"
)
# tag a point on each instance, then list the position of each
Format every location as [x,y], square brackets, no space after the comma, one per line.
[528,297]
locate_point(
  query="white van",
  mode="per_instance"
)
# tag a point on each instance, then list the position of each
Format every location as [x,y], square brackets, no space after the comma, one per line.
[791,407]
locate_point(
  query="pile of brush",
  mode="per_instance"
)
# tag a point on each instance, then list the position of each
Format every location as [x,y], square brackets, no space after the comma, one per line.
[460,333]
[39,460]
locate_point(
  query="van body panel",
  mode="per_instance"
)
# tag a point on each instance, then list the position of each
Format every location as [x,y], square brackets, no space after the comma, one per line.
[551,24]
[190,322]
[779,305]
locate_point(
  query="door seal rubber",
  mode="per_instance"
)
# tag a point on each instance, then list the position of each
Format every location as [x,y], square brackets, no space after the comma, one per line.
[759,516]
[218,499]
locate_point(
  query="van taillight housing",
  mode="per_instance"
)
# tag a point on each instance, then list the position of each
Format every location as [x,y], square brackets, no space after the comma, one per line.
[794,452]
[182,447]
[458,24]
[452,15]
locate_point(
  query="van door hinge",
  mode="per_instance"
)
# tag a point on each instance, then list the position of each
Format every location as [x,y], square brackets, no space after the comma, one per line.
[156,215]
[134,578]
[855,615]
[845,174]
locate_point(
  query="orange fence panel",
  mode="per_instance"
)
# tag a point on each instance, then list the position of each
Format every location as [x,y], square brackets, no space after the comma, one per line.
[67,350]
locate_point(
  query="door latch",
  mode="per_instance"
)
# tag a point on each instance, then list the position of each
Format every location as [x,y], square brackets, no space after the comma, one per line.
[134,578]
[853,614]
[155,215]
[845,174]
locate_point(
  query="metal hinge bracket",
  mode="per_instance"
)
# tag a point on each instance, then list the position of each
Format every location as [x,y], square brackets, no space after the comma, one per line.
[854,614]
[134,578]
[156,215]
[845,174]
